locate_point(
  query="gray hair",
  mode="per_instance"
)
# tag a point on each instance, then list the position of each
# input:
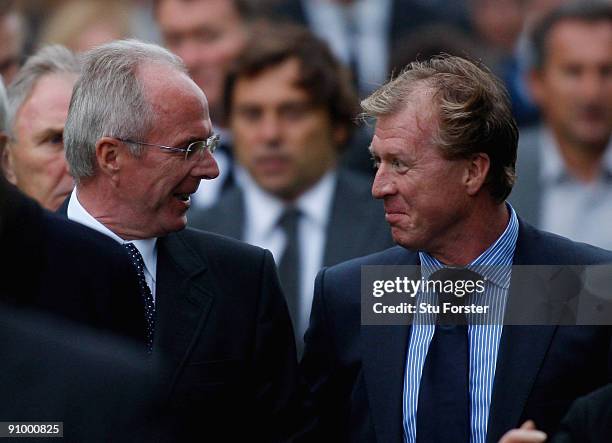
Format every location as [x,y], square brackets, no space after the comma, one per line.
[54,59]
[109,100]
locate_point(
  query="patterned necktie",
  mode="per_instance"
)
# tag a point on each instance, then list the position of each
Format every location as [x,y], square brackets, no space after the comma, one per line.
[145,292]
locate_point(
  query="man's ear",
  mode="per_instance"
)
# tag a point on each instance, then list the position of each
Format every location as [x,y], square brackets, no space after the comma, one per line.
[108,155]
[6,159]
[478,166]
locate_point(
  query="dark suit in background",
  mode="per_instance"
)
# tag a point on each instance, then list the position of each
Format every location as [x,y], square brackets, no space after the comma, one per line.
[355,374]
[65,269]
[356,226]
[526,196]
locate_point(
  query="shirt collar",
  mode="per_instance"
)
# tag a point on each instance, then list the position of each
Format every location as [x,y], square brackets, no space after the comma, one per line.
[146,247]
[553,169]
[494,264]
[264,209]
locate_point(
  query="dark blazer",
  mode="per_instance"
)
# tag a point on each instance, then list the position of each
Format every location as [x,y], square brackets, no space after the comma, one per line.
[357,226]
[354,374]
[101,388]
[223,325]
[222,329]
[66,269]
[589,420]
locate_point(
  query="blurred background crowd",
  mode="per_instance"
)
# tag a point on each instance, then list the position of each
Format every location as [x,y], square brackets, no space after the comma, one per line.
[373,37]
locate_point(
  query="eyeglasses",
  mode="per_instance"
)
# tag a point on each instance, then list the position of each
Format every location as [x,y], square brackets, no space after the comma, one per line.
[210,145]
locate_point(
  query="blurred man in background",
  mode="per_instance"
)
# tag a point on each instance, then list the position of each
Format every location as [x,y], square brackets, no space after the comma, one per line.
[208,35]
[564,168]
[33,159]
[12,36]
[290,108]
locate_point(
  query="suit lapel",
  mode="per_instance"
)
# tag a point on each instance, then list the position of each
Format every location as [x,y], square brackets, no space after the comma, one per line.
[184,297]
[522,348]
[383,353]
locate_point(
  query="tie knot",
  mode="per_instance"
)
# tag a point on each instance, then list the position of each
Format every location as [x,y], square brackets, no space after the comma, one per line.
[289,219]
[455,274]
[453,286]
[135,255]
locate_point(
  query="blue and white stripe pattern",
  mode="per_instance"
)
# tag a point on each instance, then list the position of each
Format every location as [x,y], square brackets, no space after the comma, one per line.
[495,265]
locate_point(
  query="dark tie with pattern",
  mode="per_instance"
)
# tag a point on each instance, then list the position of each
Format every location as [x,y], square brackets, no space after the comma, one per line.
[443,411]
[145,292]
[289,266]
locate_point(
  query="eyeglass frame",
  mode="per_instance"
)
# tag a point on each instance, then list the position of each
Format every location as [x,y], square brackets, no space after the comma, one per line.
[210,144]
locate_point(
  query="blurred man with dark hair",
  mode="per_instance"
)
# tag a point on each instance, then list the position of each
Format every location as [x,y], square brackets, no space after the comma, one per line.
[208,35]
[564,171]
[290,107]
[445,148]
[33,159]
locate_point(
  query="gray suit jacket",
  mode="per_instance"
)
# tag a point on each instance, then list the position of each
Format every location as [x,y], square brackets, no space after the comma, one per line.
[357,226]
[526,196]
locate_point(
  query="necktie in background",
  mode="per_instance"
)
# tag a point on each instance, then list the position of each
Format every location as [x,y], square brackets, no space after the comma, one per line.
[289,266]
[443,411]
[145,292]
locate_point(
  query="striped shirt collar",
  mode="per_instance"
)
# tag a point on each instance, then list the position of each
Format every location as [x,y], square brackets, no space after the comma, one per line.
[494,264]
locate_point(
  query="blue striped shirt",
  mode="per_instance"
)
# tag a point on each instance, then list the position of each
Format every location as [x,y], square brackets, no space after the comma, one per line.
[495,265]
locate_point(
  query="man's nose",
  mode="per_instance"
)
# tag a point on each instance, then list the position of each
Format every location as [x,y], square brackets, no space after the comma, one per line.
[205,167]
[383,184]
[270,130]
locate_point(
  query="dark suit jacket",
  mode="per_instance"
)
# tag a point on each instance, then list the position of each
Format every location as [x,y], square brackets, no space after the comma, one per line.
[589,420]
[222,329]
[223,325]
[101,388]
[356,227]
[354,374]
[66,269]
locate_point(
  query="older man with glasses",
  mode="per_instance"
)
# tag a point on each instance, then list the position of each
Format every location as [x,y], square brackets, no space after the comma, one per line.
[138,141]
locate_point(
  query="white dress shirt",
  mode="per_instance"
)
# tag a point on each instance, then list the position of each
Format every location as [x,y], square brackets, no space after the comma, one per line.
[263,211]
[146,247]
